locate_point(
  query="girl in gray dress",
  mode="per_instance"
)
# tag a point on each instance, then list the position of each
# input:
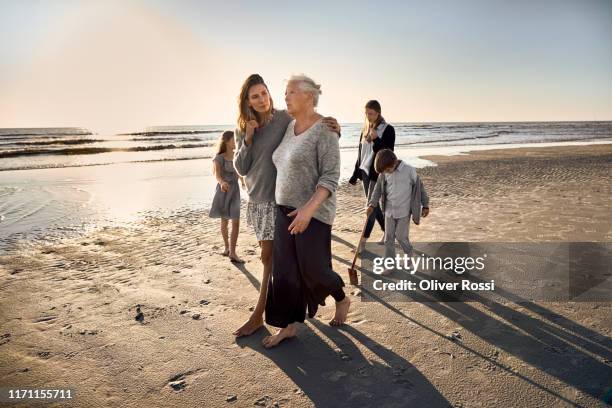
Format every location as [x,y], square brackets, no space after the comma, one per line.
[226,202]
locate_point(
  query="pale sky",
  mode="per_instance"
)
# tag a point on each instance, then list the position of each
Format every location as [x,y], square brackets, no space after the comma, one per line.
[116,66]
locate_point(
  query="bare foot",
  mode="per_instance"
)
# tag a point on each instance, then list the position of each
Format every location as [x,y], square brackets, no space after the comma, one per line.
[342,309]
[234,258]
[225,253]
[249,327]
[282,334]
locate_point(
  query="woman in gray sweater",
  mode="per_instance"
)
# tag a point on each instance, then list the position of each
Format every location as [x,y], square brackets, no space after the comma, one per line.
[308,168]
[260,130]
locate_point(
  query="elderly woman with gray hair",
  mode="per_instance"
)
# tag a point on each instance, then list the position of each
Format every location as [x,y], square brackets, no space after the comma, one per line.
[308,168]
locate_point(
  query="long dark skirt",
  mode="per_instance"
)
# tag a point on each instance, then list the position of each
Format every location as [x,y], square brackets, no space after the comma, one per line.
[302,275]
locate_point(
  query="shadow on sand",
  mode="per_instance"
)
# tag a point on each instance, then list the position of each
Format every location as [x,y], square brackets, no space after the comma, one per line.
[328,367]
[556,345]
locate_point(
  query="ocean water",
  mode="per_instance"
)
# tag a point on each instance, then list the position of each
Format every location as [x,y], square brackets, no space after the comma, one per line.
[23,149]
[58,181]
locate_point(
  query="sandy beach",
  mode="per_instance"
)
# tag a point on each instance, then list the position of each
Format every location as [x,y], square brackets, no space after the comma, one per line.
[141,316]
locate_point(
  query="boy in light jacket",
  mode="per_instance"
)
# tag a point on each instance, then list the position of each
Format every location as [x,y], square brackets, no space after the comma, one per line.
[401,194]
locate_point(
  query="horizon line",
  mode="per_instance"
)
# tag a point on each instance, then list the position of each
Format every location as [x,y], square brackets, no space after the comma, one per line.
[346,123]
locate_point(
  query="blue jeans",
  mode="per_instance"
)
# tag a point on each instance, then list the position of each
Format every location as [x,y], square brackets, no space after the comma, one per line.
[368,186]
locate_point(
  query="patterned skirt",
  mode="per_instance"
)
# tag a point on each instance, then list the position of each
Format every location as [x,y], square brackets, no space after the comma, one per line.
[262,217]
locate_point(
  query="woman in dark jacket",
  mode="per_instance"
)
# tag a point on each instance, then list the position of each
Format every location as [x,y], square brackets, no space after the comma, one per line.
[376,135]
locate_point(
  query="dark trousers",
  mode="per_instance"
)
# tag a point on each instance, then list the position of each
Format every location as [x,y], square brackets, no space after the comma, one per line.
[302,275]
[368,186]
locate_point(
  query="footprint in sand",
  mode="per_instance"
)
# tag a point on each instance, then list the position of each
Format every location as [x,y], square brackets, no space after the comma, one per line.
[45,319]
[263,401]
[139,315]
[342,355]
[334,376]
[178,385]
[182,380]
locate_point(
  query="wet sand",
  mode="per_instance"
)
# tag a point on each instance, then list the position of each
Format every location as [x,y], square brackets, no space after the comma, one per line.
[142,316]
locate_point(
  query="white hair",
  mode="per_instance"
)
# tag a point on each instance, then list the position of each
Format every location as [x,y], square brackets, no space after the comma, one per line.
[307,85]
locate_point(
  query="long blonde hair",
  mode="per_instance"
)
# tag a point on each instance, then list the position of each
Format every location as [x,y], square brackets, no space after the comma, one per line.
[374,105]
[245,112]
